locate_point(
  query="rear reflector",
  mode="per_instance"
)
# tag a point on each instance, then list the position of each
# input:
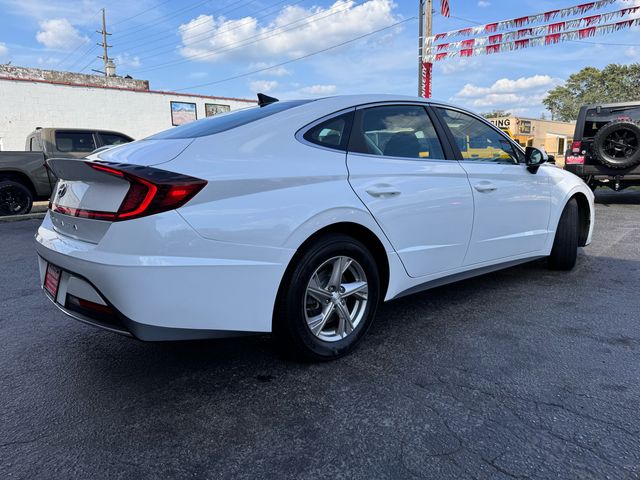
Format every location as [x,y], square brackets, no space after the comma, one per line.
[576,146]
[574,160]
[151,191]
[92,310]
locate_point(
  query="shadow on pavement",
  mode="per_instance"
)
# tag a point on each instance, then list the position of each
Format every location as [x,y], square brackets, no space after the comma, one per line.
[606,196]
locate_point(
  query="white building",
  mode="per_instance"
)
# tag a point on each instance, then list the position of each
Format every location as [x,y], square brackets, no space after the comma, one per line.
[31,98]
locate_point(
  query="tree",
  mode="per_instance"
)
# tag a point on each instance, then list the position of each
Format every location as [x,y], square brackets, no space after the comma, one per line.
[496,114]
[614,83]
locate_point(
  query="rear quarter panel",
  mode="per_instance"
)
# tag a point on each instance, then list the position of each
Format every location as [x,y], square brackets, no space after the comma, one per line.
[283,190]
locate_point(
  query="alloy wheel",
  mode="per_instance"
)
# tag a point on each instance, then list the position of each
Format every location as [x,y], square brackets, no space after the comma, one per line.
[336,298]
[12,201]
[622,143]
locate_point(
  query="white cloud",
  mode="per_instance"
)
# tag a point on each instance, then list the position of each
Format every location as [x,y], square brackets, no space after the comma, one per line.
[198,75]
[319,90]
[274,72]
[59,33]
[3,49]
[633,53]
[483,4]
[513,94]
[290,33]
[48,61]
[506,85]
[125,60]
[263,86]
[457,65]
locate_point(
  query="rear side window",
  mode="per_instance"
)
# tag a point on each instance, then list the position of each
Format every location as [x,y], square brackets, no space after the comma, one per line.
[332,133]
[75,142]
[396,131]
[113,139]
[226,121]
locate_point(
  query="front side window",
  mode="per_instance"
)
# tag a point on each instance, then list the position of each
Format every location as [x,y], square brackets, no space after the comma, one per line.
[75,142]
[396,131]
[332,133]
[478,141]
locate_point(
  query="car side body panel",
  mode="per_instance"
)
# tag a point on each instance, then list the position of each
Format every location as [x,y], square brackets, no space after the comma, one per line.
[216,264]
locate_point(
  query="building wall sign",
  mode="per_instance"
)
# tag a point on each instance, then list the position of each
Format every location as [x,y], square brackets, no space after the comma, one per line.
[211,109]
[502,123]
[183,112]
[524,127]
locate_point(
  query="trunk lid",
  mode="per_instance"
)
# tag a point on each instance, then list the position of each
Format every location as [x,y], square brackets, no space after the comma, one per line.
[144,152]
[90,195]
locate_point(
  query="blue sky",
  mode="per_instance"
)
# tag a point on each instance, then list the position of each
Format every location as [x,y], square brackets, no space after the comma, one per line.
[185,45]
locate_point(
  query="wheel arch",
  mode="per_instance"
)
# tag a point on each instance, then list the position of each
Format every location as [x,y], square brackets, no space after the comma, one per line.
[357,231]
[19,177]
[584,216]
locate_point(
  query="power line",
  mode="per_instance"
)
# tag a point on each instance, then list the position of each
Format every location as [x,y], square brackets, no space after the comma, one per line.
[194,24]
[133,30]
[239,25]
[142,12]
[244,42]
[88,51]
[80,45]
[241,75]
[70,54]
[91,62]
[606,43]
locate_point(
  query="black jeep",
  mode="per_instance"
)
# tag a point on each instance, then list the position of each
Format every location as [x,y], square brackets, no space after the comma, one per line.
[606,145]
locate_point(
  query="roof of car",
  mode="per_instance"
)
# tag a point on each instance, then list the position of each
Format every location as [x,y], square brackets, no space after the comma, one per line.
[359,99]
[613,105]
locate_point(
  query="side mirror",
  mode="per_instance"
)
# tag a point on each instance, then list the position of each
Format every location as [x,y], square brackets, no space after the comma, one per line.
[534,157]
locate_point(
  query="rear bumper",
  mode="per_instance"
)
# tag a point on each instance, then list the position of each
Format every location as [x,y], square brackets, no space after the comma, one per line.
[600,172]
[119,323]
[182,287]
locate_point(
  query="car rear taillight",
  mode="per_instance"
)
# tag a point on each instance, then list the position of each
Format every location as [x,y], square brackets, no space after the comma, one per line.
[576,147]
[151,191]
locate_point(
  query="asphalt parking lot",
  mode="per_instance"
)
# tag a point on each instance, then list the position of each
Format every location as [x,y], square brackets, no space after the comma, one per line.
[525,373]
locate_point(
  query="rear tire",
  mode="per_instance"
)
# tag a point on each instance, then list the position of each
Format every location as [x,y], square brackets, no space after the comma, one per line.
[316,317]
[15,198]
[565,245]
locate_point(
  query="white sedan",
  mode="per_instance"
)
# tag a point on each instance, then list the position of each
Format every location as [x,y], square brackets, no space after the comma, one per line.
[299,218]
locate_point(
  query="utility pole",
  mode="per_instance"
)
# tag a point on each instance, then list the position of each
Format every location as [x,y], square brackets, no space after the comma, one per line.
[105,47]
[425,30]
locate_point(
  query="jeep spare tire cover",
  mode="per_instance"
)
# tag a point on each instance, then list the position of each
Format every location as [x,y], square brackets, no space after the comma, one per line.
[617,144]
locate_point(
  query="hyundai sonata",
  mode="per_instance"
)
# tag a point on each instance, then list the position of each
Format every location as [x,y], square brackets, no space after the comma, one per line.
[299,218]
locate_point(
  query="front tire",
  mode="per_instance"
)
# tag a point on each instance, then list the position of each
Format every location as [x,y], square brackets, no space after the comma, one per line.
[565,245]
[327,299]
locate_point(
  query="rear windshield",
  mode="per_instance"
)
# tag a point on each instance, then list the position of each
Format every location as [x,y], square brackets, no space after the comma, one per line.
[226,121]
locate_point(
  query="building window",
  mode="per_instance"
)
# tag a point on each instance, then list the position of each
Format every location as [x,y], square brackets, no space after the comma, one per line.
[561,144]
[211,109]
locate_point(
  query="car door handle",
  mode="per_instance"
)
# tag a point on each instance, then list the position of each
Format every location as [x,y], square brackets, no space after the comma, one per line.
[383,191]
[485,187]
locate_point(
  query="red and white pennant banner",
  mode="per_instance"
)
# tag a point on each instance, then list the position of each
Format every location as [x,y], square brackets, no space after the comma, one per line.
[540,30]
[547,39]
[521,21]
